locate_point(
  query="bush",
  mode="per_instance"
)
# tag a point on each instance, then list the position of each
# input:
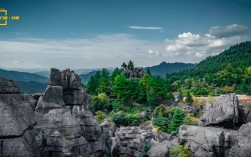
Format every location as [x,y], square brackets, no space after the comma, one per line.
[161,123]
[160,111]
[100,103]
[191,120]
[100,116]
[122,119]
[180,151]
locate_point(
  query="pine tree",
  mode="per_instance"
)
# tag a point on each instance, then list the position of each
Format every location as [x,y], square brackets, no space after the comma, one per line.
[148,71]
[177,120]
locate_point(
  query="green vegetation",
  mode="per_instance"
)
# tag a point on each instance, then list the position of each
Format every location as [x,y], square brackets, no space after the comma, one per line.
[100,116]
[132,101]
[180,151]
[230,71]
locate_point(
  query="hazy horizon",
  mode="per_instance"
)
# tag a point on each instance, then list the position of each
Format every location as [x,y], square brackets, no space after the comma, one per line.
[84,34]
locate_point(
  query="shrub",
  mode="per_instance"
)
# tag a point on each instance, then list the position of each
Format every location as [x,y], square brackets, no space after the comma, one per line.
[100,103]
[177,119]
[100,116]
[160,111]
[191,120]
[180,151]
[161,123]
[122,119]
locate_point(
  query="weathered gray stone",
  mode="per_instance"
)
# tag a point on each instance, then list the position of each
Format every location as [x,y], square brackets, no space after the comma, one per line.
[16,121]
[216,141]
[242,147]
[61,133]
[158,150]
[8,86]
[131,141]
[65,126]
[16,115]
[245,114]
[222,112]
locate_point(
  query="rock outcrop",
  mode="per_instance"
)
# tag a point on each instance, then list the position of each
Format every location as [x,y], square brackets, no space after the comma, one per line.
[131,141]
[242,147]
[65,126]
[222,112]
[17,121]
[8,86]
[207,141]
[136,72]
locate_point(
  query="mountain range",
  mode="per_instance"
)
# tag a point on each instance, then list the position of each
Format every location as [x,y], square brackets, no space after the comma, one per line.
[237,57]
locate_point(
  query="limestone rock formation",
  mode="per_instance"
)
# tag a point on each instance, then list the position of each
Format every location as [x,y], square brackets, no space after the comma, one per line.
[222,112]
[16,121]
[242,147]
[136,72]
[131,141]
[8,86]
[207,141]
[65,125]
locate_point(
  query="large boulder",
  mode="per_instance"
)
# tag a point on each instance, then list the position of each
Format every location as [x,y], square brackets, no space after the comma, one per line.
[242,147]
[207,141]
[8,86]
[222,112]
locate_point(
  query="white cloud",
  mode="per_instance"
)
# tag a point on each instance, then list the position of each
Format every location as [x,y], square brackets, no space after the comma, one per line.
[191,47]
[99,51]
[228,31]
[145,28]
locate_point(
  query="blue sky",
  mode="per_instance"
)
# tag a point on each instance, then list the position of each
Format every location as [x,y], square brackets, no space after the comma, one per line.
[105,33]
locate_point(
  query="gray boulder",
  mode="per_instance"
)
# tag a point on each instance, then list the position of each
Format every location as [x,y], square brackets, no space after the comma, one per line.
[222,112]
[207,141]
[8,86]
[242,147]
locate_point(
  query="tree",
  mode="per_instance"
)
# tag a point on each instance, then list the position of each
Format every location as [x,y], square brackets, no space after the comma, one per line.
[100,103]
[124,65]
[104,82]
[93,83]
[148,71]
[130,65]
[156,90]
[189,98]
[177,120]
[115,73]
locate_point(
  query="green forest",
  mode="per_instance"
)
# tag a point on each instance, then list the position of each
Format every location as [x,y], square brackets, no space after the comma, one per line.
[132,101]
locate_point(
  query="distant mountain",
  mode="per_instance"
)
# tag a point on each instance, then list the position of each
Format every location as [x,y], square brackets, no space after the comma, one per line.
[31,87]
[45,73]
[236,57]
[167,68]
[86,77]
[23,76]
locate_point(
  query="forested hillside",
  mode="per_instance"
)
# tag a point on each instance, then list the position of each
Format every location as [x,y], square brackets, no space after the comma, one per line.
[168,68]
[230,71]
